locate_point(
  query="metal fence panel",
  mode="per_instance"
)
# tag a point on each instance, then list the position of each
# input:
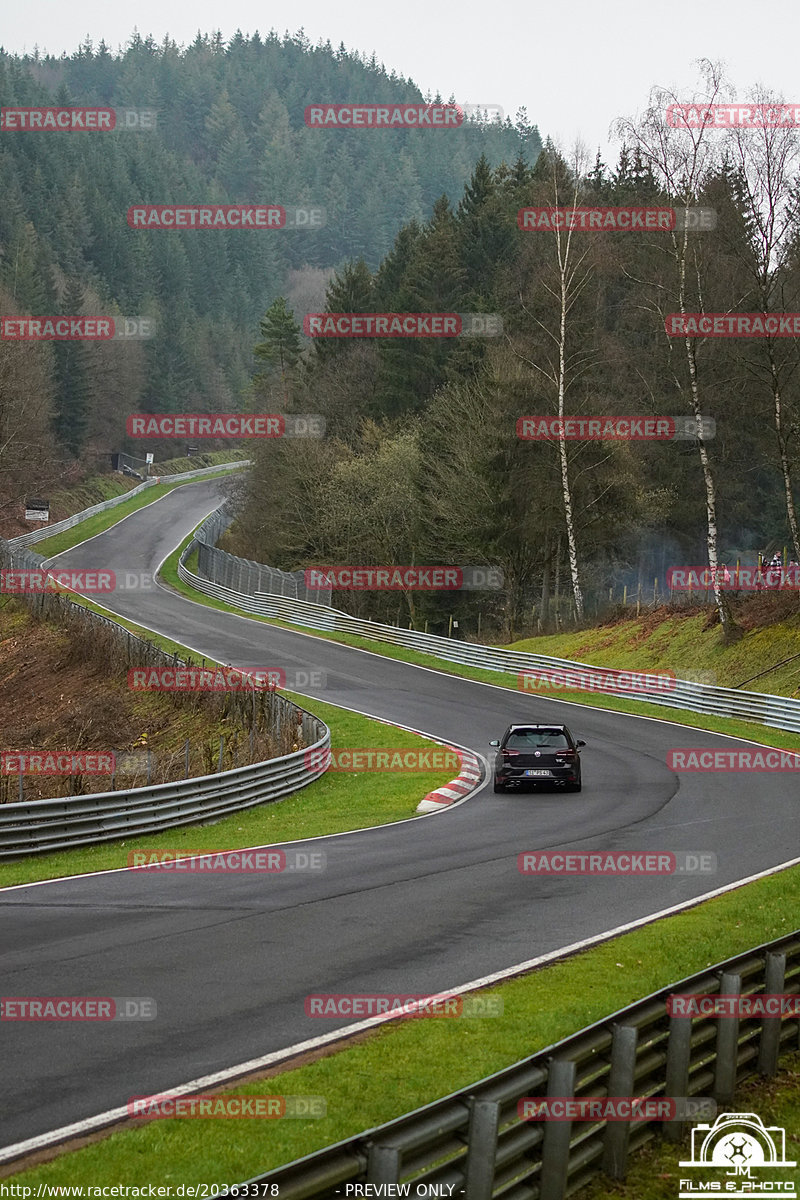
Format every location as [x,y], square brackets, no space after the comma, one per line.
[241,575]
[477,1139]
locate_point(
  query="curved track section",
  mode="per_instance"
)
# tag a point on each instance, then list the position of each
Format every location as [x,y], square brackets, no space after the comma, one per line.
[421,906]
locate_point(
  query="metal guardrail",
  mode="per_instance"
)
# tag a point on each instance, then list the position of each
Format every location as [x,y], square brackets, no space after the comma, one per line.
[474,1140]
[39,825]
[34,826]
[39,535]
[778,712]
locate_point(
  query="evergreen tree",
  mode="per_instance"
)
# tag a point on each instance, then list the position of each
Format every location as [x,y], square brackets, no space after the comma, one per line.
[71,411]
[280,341]
[596,179]
[351,291]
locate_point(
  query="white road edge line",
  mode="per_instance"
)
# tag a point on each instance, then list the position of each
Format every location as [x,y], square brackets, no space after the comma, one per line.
[114,1115]
[162,479]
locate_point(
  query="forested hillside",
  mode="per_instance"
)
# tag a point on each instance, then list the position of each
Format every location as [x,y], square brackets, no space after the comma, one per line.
[423,463]
[230,128]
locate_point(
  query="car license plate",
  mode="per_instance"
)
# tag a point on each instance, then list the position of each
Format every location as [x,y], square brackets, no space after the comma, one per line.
[537,772]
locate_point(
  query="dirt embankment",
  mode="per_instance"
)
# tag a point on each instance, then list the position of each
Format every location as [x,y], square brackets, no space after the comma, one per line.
[54,696]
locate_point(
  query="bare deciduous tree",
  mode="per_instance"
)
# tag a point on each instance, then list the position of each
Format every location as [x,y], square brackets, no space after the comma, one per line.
[572,270]
[766,159]
[682,159]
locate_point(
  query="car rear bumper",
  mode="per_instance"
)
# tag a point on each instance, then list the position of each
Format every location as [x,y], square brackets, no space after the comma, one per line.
[554,775]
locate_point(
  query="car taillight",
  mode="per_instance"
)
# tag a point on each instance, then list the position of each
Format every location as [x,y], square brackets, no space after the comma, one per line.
[510,753]
[565,753]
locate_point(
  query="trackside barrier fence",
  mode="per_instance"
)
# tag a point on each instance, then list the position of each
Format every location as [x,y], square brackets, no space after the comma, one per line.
[473,1144]
[778,712]
[39,535]
[38,825]
[247,577]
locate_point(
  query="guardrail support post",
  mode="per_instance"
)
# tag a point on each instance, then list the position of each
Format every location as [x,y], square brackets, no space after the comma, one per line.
[383,1164]
[769,1042]
[620,1083]
[484,1118]
[679,1049]
[557,1134]
[727,1044]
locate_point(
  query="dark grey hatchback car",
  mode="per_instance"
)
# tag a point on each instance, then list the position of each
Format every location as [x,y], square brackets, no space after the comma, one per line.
[537,754]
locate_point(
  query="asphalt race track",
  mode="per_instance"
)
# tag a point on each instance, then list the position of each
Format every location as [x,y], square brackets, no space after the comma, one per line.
[417,907]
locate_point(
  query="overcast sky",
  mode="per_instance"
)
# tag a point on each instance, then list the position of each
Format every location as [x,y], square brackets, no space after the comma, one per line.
[574,64]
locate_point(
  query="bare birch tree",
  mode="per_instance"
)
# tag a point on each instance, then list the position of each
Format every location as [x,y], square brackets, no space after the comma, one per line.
[563,366]
[767,159]
[682,159]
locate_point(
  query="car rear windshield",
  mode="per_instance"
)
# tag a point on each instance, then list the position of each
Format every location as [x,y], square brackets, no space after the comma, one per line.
[537,739]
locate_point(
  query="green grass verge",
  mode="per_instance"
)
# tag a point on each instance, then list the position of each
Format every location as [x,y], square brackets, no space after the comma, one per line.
[176,466]
[60,542]
[410,1063]
[337,802]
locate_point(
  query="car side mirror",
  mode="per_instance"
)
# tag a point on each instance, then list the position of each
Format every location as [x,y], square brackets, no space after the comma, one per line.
[580,743]
[494,742]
